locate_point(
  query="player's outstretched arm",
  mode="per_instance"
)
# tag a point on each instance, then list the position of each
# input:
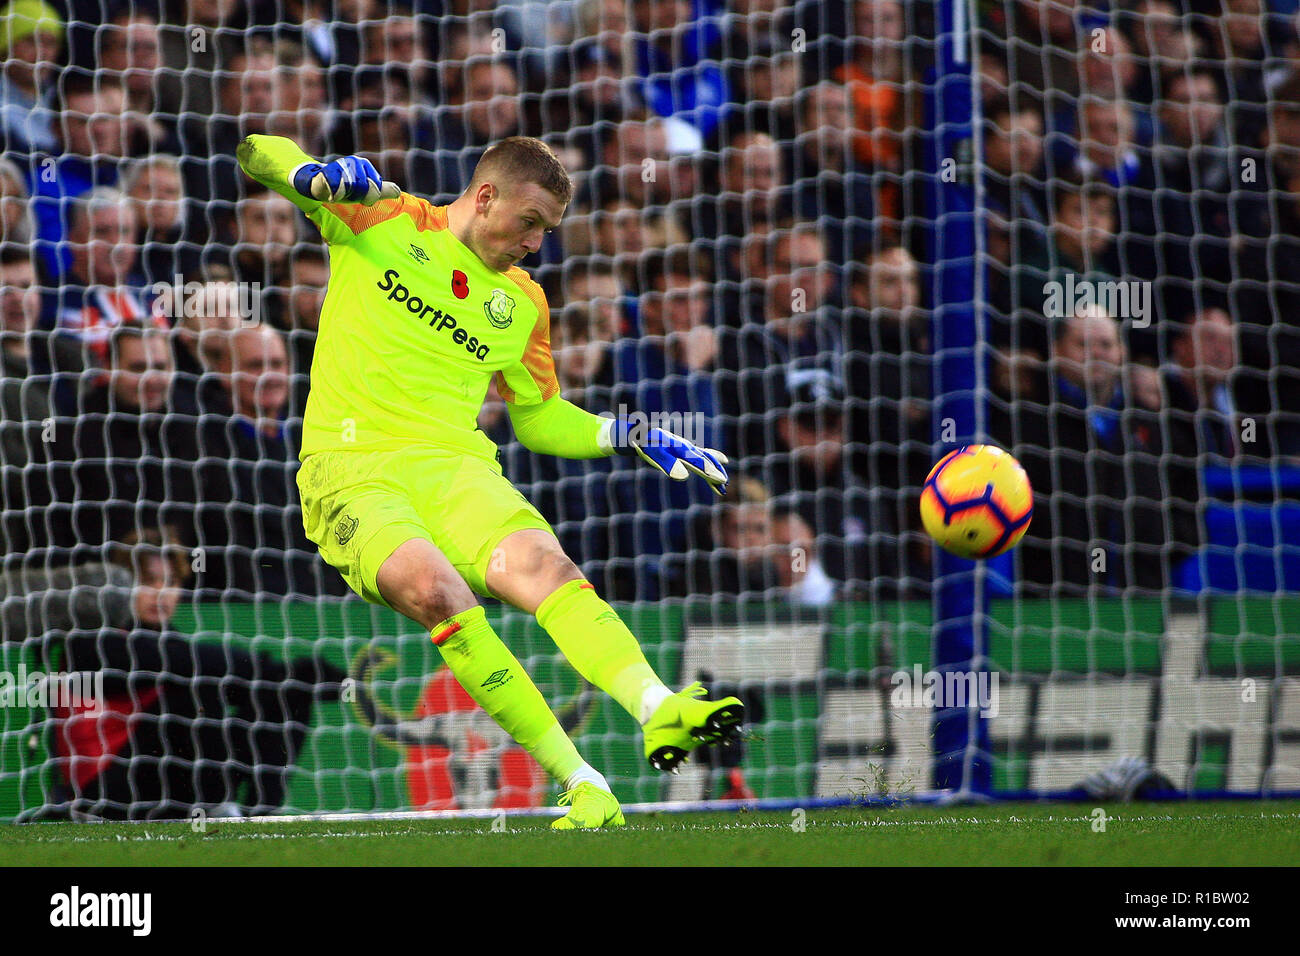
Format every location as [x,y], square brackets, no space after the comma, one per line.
[673,455]
[279,163]
[558,427]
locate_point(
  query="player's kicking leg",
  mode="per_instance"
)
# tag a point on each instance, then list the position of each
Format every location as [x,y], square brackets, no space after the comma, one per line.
[531,571]
[417,580]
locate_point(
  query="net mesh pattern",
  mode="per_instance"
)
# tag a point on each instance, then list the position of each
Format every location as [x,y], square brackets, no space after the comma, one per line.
[748,261]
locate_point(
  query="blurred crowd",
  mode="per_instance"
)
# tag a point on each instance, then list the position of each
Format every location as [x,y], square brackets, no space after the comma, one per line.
[747,257]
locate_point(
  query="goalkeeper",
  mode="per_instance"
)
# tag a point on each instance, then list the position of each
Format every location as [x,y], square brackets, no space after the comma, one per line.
[401,491]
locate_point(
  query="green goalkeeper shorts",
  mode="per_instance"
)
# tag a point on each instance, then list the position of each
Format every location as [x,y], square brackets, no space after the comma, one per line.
[359,507]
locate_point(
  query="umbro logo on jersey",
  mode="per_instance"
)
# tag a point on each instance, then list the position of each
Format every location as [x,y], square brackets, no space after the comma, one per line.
[418,254]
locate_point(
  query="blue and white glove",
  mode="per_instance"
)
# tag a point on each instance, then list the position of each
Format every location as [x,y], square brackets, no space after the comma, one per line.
[674,456]
[350,179]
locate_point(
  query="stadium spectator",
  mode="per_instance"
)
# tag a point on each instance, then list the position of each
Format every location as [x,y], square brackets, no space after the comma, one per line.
[595,94]
[1108,67]
[97,293]
[584,356]
[677,57]
[1079,254]
[621,232]
[395,40]
[1191,129]
[125,464]
[1103,145]
[735,552]
[308,277]
[1279,72]
[576,497]
[677,338]
[262,239]
[391,138]
[1097,514]
[888,375]
[1239,48]
[877,79]
[101,240]
[799,570]
[250,522]
[1017,214]
[1039,41]
[1198,421]
[785,322]
[330,32]
[15,207]
[31,39]
[383,119]
[187,724]
[1265,248]
[205,316]
[616,230]
[129,54]
[595,283]
[830,185]
[455,43]
[754,31]
[994,80]
[300,106]
[1176,215]
[606,22]
[196,36]
[129,50]
[811,473]
[765,101]
[666,373]
[483,110]
[1163,43]
[1095,130]
[95,139]
[1013,157]
[749,177]
[246,99]
[24,403]
[633,167]
[170,240]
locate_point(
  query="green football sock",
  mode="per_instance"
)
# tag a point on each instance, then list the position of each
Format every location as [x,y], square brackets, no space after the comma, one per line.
[500,685]
[600,647]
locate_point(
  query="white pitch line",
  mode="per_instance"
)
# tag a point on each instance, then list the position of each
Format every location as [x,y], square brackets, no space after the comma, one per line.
[146,837]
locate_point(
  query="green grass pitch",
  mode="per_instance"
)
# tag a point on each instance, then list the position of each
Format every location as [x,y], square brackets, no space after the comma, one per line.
[1155,834]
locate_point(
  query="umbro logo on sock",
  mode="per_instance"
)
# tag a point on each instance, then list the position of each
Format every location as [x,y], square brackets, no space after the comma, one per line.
[497,678]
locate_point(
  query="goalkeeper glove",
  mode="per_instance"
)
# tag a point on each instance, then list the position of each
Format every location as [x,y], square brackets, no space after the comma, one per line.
[674,456]
[350,179]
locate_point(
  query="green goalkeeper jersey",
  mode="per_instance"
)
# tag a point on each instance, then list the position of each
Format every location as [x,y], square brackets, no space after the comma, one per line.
[414,326]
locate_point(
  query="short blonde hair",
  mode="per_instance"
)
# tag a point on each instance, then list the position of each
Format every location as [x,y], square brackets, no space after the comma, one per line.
[524,159]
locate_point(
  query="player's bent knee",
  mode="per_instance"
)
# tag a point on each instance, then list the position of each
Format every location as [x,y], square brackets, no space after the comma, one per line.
[557,565]
[531,566]
[434,601]
[419,582]
[532,551]
[549,565]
